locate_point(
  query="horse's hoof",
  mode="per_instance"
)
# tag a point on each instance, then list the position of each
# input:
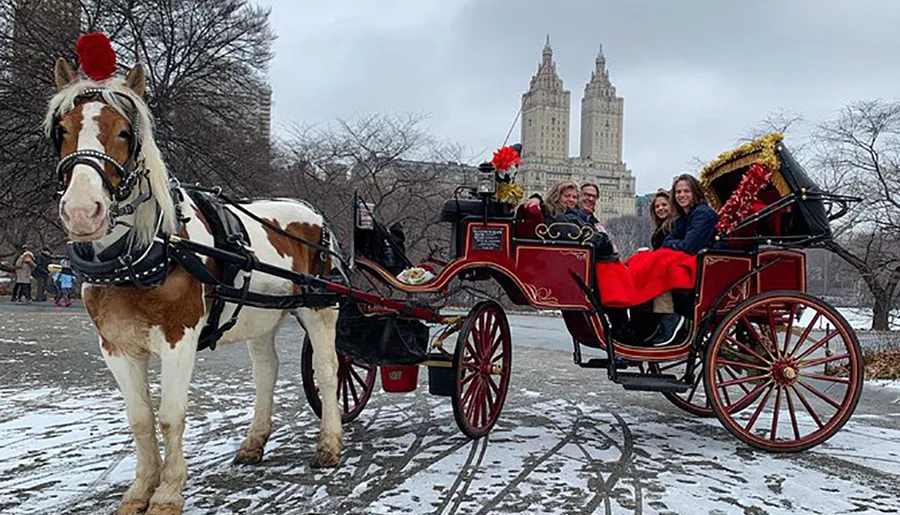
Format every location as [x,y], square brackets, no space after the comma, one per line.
[132,507]
[164,509]
[248,456]
[325,459]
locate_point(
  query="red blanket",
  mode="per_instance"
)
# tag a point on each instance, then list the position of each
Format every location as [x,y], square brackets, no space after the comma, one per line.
[644,276]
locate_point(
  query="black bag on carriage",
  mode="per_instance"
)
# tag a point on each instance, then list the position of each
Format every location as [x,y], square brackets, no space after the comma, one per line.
[380,339]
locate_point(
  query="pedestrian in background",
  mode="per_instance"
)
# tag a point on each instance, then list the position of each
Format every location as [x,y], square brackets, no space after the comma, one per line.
[24,267]
[63,280]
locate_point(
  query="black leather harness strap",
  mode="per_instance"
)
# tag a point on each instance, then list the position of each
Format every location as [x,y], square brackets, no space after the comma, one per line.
[228,234]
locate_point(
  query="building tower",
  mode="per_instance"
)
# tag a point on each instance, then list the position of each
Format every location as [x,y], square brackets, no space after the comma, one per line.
[545,112]
[602,113]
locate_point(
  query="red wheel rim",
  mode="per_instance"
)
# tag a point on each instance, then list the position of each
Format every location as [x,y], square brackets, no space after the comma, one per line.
[801,363]
[356,381]
[482,359]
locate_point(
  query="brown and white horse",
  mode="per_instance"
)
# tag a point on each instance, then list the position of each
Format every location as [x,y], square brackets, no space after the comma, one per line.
[99,123]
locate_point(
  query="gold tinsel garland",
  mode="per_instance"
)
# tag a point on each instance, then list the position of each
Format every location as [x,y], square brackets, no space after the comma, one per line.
[760,150]
[510,192]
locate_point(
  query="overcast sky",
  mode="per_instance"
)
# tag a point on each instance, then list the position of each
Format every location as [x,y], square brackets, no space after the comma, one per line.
[696,75]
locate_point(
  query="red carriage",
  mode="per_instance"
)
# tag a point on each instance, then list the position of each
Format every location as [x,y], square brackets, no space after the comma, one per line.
[781,369]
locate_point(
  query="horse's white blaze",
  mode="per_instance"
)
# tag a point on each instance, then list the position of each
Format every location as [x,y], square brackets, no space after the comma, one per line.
[85,192]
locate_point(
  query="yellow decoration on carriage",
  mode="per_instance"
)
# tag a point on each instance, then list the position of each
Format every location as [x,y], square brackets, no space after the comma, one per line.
[761,150]
[510,192]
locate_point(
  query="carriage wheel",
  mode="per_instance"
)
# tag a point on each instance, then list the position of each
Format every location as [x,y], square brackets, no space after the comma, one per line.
[482,359]
[694,401]
[801,362]
[356,381]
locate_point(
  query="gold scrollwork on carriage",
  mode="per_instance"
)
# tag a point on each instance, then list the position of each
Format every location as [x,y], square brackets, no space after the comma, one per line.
[735,296]
[541,294]
[565,231]
[580,255]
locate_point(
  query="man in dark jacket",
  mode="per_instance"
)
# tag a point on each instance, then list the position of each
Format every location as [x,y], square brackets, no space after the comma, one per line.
[41,274]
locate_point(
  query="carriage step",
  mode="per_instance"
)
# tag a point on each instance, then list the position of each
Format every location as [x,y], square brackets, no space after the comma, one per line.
[604,363]
[651,382]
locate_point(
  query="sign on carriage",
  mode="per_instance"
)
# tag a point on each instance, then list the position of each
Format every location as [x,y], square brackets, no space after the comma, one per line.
[487,238]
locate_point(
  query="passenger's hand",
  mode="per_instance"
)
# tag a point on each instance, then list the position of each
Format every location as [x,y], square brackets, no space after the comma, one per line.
[533,205]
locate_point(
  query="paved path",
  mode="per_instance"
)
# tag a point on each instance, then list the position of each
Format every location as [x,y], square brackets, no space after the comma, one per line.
[567,442]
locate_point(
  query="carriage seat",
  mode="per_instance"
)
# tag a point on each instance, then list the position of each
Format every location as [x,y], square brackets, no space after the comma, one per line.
[455,210]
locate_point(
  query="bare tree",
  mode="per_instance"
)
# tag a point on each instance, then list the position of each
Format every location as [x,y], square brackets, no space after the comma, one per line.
[858,153]
[388,160]
[629,233]
[205,59]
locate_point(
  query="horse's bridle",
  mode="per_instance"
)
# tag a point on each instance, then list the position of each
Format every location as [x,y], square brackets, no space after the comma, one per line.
[128,172]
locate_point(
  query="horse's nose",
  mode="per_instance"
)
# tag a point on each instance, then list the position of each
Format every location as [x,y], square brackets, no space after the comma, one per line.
[87,213]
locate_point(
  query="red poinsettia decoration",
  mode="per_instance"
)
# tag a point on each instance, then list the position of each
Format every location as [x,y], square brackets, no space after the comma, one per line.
[743,201]
[96,56]
[504,158]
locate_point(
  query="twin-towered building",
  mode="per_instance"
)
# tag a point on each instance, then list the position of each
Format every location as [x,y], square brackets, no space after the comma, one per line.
[545,137]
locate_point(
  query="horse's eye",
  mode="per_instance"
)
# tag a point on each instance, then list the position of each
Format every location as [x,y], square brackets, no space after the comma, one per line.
[125,134]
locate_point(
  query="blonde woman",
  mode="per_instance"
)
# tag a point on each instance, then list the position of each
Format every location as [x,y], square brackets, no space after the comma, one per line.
[561,199]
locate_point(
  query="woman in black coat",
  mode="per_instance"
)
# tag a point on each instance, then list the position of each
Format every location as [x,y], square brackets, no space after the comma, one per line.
[695,225]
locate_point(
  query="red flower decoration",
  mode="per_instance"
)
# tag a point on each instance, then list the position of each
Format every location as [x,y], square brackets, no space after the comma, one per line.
[741,203]
[96,56]
[504,158]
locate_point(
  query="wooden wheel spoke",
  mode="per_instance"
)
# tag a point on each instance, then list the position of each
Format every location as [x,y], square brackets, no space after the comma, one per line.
[790,403]
[724,390]
[357,378]
[742,380]
[742,364]
[739,344]
[815,391]
[757,338]
[821,377]
[471,347]
[351,387]
[470,391]
[493,386]
[342,392]
[760,406]
[752,394]
[770,328]
[818,345]
[467,379]
[696,384]
[805,334]
[822,361]
[790,328]
[808,407]
[730,372]
[775,414]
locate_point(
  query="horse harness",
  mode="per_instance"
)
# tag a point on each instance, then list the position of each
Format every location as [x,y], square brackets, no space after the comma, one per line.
[121,264]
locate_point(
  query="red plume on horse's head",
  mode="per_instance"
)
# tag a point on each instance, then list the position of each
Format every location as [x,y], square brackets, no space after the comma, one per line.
[96,56]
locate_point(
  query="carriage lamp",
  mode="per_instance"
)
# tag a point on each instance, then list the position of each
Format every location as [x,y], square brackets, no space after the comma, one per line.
[487,180]
[364,219]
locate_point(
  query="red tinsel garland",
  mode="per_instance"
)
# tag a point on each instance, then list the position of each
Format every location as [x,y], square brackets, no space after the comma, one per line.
[96,56]
[741,203]
[504,158]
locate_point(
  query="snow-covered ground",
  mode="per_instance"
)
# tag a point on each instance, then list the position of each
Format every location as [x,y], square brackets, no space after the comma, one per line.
[568,441]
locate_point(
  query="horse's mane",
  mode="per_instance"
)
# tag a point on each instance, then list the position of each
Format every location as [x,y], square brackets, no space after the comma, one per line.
[158,176]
